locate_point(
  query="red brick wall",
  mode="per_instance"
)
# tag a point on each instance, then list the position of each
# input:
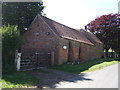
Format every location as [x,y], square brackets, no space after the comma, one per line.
[75,46]
[87,51]
[44,43]
[63,53]
[39,43]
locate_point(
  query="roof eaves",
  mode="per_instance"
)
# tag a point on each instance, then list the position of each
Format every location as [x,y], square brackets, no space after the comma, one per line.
[77,40]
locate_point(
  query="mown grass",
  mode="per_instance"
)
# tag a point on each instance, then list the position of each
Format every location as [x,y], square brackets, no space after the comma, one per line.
[18,80]
[87,66]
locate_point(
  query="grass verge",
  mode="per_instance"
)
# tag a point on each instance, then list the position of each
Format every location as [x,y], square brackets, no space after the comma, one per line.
[18,80]
[87,66]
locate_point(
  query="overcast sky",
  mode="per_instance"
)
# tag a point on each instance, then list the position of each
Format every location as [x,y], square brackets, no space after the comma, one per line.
[78,13]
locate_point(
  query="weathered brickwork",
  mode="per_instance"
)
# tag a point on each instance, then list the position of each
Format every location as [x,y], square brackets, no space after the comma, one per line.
[89,52]
[63,53]
[40,40]
[82,50]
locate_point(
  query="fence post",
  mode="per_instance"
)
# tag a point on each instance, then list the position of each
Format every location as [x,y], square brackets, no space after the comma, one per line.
[18,61]
[52,57]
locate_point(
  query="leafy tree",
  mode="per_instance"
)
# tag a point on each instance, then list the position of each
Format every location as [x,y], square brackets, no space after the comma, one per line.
[21,13]
[107,29]
[11,41]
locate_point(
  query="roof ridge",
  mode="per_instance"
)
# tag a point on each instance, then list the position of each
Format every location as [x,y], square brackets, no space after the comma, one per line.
[60,23]
[66,32]
[56,32]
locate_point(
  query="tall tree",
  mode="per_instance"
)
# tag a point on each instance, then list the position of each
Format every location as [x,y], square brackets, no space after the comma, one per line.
[20,13]
[107,29]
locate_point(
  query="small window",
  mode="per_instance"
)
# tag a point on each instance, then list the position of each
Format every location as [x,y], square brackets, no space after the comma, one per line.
[36,33]
[47,33]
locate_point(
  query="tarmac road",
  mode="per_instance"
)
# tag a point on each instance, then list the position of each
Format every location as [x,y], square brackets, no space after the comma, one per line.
[104,78]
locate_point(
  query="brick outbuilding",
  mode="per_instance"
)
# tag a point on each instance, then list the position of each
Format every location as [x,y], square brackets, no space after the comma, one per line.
[48,42]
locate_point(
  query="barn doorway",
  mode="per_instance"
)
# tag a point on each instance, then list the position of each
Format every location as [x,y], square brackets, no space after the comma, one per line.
[79,53]
[34,59]
[70,52]
[42,59]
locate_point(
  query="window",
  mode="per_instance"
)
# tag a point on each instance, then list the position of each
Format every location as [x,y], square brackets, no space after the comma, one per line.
[47,33]
[36,33]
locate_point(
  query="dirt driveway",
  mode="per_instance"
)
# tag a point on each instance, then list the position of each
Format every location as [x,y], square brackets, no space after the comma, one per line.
[50,78]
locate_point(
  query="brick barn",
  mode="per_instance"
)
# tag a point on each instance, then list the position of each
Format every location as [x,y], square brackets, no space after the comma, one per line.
[48,42]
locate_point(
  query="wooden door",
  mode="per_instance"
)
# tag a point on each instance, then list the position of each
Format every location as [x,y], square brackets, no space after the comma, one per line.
[35,59]
[43,59]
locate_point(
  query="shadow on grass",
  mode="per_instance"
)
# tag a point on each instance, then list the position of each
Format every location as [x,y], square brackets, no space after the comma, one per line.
[43,78]
[49,78]
[53,77]
[83,66]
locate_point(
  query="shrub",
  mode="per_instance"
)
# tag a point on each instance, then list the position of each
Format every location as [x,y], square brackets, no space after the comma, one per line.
[11,41]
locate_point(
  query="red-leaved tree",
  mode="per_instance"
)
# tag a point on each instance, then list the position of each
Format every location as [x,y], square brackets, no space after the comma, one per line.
[107,29]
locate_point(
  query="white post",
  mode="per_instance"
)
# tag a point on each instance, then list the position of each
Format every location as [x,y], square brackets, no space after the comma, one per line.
[117,55]
[18,61]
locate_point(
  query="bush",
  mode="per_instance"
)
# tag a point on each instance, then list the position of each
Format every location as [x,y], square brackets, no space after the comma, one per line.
[11,41]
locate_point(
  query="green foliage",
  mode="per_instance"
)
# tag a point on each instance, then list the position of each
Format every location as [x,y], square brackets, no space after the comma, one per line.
[17,80]
[11,40]
[87,66]
[20,13]
[106,28]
